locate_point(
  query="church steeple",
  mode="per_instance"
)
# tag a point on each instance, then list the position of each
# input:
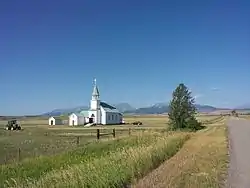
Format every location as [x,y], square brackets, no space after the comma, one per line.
[95,93]
[95,111]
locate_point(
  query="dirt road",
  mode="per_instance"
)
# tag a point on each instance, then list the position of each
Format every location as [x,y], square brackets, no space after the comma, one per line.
[239,149]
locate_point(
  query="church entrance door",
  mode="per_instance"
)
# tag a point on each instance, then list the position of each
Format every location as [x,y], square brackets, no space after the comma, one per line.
[91,120]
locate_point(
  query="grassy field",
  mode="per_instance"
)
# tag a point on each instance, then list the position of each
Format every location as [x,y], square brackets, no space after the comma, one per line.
[52,155]
[37,141]
[202,162]
[38,138]
[113,162]
[29,121]
[245,116]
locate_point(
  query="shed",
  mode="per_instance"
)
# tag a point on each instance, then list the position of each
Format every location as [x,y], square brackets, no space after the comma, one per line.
[76,119]
[55,121]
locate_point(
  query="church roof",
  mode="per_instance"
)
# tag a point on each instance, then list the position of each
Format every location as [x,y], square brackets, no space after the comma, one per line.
[55,117]
[95,91]
[105,105]
[108,108]
[85,113]
[77,114]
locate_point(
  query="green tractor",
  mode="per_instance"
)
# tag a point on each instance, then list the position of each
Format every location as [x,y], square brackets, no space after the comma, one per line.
[13,125]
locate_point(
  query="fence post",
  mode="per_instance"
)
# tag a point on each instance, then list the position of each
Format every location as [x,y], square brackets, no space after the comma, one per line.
[129,131]
[78,140]
[114,133]
[19,154]
[98,133]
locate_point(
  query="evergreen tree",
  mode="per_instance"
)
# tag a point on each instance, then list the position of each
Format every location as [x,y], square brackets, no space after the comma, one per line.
[182,110]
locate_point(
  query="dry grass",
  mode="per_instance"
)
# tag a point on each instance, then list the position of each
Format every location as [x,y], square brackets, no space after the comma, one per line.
[202,162]
[35,141]
[149,120]
[38,138]
[203,118]
[29,121]
[245,116]
[114,165]
[199,164]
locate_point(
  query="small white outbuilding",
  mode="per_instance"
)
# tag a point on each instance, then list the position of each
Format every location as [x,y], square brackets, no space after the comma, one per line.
[76,119]
[55,121]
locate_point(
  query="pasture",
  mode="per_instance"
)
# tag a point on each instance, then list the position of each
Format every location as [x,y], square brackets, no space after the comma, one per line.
[247,116]
[38,138]
[51,153]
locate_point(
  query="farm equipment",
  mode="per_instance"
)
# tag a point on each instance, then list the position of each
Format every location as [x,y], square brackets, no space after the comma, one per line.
[137,123]
[13,125]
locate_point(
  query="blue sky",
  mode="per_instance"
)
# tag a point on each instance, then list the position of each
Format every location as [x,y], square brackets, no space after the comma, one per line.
[138,51]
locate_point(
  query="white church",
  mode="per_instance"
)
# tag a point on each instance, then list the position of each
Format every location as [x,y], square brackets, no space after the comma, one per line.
[100,113]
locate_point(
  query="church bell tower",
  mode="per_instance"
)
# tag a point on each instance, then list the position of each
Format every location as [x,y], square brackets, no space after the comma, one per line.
[95,111]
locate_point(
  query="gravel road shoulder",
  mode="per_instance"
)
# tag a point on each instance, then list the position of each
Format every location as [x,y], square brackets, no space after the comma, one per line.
[239,152]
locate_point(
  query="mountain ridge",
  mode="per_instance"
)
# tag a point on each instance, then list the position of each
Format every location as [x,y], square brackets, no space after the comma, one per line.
[126,108]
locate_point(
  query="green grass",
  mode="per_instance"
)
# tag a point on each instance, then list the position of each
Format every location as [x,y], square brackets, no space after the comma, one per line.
[113,162]
[39,139]
[36,142]
[52,154]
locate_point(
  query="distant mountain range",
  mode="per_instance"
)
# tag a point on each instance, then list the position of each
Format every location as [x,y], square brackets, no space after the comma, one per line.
[158,108]
[65,111]
[244,106]
[161,108]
